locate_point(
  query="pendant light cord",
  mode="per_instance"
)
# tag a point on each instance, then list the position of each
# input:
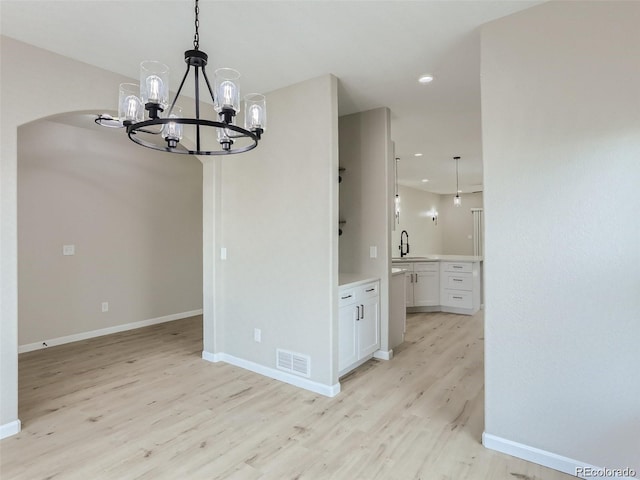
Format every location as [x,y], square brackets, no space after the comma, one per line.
[196,36]
[457,188]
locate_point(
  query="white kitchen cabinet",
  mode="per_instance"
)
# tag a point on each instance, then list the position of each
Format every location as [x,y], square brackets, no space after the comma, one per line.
[422,283]
[359,325]
[447,283]
[460,287]
[426,289]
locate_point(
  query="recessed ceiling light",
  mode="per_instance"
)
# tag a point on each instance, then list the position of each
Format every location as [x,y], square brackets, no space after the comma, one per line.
[417,154]
[426,78]
[425,180]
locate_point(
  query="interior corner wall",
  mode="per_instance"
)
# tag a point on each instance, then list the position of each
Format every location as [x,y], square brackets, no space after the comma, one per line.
[425,235]
[366,154]
[457,223]
[279,225]
[134,217]
[561,140]
[78,87]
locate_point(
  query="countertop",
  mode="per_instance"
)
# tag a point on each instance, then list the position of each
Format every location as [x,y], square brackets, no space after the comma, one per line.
[437,258]
[397,271]
[354,279]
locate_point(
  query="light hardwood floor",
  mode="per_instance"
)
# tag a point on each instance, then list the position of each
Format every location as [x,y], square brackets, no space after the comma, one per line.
[144,405]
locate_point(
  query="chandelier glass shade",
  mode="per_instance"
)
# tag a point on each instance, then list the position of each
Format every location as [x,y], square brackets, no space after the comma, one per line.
[153,120]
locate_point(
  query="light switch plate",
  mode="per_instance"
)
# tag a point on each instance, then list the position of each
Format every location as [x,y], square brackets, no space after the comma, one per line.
[373,252]
[223,253]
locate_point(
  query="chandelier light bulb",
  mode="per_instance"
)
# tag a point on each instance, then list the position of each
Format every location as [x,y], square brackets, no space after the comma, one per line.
[228,93]
[130,108]
[172,131]
[154,84]
[154,87]
[227,90]
[255,110]
[256,114]
[457,201]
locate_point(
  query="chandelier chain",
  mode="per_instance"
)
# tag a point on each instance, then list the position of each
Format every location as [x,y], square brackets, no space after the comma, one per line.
[196,36]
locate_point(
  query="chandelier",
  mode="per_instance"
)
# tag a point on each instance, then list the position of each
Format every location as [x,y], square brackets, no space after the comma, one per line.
[457,201]
[161,128]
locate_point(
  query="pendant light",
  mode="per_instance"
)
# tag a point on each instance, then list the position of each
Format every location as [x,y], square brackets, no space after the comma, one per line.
[457,201]
[162,128]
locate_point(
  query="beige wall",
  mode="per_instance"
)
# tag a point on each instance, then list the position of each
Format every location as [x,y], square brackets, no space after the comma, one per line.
[457,223]
[425,236]
[275,211]
[70,86]
[561,135]
[365,200]
[134,216]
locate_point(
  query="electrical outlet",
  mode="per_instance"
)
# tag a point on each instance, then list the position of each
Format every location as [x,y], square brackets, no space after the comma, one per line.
[257,335]
[68,250]
[223,253]
[373,252]
[105,307]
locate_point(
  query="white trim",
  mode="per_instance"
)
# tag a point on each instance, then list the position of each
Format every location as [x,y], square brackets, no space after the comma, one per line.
[383,354]
[321,388]
[10,428]
[211,357]
[536,455]
[105,331]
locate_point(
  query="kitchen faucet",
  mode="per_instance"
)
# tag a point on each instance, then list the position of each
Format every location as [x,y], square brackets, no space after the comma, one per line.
[404,242]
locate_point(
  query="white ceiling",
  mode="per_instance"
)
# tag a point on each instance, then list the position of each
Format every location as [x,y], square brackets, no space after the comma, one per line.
[376,48]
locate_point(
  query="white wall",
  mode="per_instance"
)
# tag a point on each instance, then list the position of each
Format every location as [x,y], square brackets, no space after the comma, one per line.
[275,210]
[134,216]
[561,134]
[77,87]
[425,236]
[457,223]
[365,200]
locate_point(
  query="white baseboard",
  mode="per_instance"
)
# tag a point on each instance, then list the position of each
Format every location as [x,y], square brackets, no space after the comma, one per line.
[540,457]
[383,354]
[211,357]
[322,389]
[10,428]
[52,342]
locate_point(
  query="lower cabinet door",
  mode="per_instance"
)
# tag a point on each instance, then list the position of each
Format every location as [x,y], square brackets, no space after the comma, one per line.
[426,289]
[369,327]
[348,336]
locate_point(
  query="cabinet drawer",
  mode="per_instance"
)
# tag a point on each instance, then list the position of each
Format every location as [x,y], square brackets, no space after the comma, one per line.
[369,290]
[406,266]
[426,267]
[457,298]
[456,267]
[346,297]
[457,281]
